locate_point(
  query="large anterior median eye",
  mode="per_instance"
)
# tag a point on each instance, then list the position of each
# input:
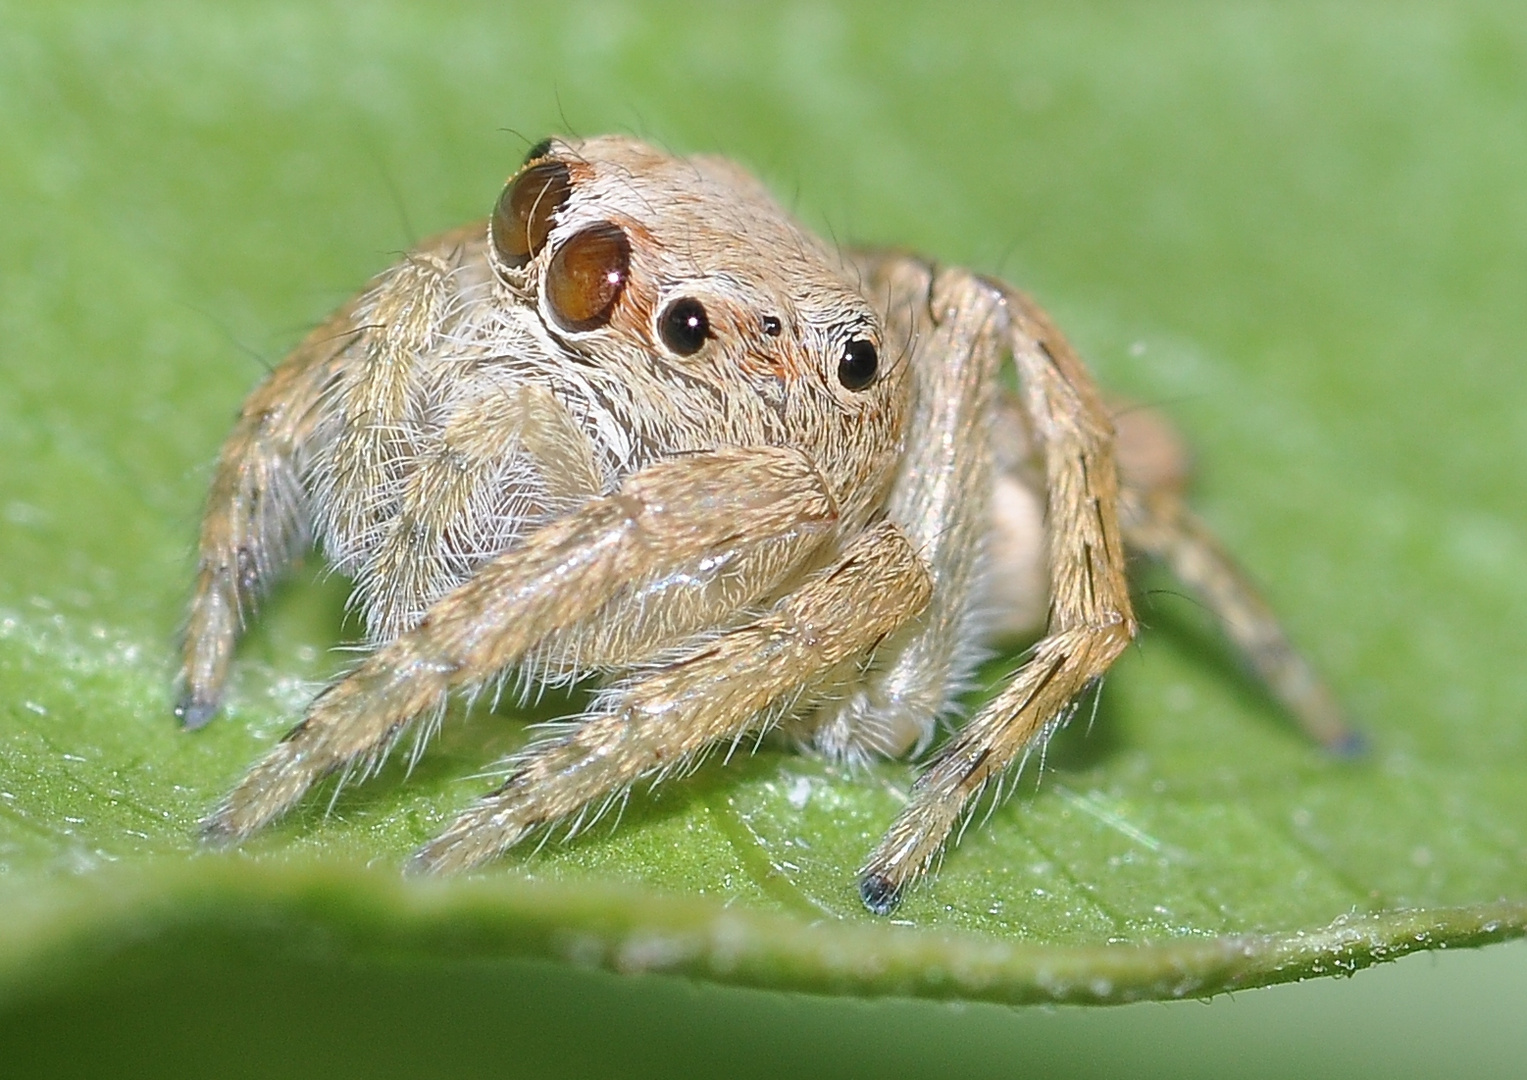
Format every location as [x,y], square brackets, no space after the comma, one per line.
[586,276]
[522,218]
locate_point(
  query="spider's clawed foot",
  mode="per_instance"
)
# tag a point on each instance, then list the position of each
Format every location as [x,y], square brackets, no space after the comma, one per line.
[879,894]
[193,713]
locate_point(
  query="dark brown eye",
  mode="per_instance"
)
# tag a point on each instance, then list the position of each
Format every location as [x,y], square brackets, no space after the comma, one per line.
[684,326]
[587,275]
[522,218]
[860,362]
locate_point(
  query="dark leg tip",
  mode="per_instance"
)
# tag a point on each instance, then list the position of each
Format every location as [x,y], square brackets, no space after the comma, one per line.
[193,714]
[878,894]
[215,832]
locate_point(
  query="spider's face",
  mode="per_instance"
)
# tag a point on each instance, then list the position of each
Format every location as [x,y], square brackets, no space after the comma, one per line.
[686,271]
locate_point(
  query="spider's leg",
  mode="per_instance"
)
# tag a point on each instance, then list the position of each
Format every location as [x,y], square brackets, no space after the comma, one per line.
[1090,619]
[258,515]
[661,719]
[1156,522]
[664,518]
[1160,525]
[941,495]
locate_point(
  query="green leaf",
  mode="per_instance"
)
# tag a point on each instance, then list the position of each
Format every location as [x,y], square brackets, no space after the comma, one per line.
[1299,234]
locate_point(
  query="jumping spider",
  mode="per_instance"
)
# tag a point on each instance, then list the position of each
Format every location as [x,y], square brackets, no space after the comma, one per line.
[643,425]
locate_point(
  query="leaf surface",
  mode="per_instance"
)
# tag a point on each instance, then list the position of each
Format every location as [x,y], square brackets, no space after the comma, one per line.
[1303,239]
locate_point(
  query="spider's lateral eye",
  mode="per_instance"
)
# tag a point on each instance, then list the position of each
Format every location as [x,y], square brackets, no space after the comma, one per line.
[684,326]
[522,218]
[772,325]
[859,364]
[587,276]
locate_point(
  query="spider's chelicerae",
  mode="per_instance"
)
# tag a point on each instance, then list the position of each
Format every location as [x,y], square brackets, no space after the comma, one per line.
[643,425]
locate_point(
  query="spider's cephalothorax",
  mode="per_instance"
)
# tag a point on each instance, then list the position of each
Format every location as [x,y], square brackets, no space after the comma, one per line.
[644,425]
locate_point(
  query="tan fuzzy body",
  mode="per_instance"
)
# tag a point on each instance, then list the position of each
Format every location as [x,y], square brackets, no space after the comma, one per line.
[645,426]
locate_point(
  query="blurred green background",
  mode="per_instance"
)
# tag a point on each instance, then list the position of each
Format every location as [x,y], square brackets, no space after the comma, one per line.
[1299,228]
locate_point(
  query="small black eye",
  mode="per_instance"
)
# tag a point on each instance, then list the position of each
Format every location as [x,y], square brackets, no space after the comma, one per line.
[684,326]
[772,326]
[860,362]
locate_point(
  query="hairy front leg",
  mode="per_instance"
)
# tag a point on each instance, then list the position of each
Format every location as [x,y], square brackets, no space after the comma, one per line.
[1090,616]
[664,517]
[729,687]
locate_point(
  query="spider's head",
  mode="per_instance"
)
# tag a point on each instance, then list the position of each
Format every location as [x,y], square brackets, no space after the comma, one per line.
[685,271]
